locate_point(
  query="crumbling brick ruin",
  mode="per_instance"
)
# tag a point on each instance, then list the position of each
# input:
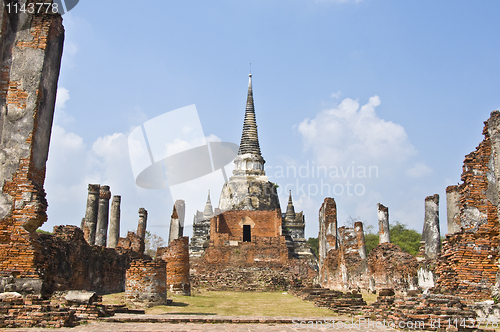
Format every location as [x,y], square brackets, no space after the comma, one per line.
[31,263]
[176,256]
[146,282]
[344,265]
[30,61]
[468,265]
[464,270]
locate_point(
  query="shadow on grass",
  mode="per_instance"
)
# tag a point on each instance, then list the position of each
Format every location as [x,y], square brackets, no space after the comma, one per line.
[190,313]
[178,304]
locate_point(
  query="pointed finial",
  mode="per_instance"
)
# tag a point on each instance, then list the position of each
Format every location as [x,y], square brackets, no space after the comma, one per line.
[249,138]
[208,212]
[174,214]
[290,210]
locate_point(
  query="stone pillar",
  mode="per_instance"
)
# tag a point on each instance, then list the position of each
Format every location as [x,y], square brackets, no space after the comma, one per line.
[360,236]
[327,228]
[383,224]
[103,216]
[90,225]
[177,257]
[175,231]
[143,219]
[114,222]
[453,209]
[180,207]
[431,234]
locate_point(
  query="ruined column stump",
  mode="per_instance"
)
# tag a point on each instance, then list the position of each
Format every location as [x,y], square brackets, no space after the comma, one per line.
[383,224]
[145,284]
[90,224]
[103,216]
[453,209]
[143,220]
[360,236]
[175,227]
[114,222]
[431,234]
[177,257]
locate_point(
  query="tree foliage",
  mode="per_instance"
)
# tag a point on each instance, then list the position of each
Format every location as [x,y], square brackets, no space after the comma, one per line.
[314,243]
[152,243]
[407,239]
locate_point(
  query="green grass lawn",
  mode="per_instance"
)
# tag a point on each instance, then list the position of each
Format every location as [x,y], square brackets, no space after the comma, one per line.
[273,304]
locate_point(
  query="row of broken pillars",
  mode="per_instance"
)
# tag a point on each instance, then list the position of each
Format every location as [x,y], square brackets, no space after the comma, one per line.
[98,216]
[95,223]
[431,237]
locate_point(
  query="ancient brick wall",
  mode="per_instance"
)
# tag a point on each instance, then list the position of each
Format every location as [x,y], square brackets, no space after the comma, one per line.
[344,268]
[262,224]
[132,242]
[176,255]
[391,267]
[240,275]
[67,261]
[30,61]
[468,265]
[146,282]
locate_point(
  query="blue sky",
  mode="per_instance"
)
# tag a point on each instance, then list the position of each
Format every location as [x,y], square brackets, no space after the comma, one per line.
[401,87]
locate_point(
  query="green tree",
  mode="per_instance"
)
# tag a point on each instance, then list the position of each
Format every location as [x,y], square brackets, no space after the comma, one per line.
[314,243]
[407,239]
[152,243]
[371,241]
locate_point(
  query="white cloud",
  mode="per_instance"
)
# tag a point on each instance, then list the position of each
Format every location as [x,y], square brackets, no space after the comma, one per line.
[336,95]
[62,97]
[418,170]
[60,114]
[349,132]
[352,137]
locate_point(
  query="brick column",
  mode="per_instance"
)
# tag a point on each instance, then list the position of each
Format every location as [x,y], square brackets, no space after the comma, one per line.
[327,228]
[114,222]
[453,209]
[177,257]
[360,236]
[103,216]
[383,224]
[146,283]
[89,229]
[431,234]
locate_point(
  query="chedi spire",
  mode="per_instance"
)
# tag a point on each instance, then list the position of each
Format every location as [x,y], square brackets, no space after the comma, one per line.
[249,138]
